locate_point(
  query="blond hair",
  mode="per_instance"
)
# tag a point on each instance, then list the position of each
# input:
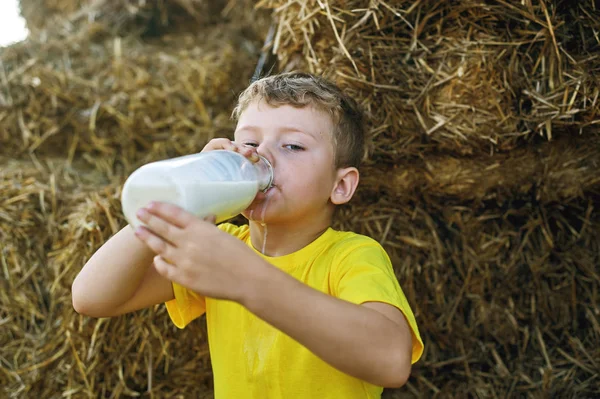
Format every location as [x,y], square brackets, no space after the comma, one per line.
[304,89]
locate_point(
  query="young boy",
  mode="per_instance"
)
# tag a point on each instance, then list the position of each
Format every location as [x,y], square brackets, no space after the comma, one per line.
[294,309]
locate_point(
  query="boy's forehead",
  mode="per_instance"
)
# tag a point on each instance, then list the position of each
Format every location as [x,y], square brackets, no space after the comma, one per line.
[259,115]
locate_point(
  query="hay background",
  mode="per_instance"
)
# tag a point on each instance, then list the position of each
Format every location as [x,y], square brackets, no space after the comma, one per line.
[481,179]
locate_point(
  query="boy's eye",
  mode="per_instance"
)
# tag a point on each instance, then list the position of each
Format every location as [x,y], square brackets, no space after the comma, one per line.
[251,144]
[294,147]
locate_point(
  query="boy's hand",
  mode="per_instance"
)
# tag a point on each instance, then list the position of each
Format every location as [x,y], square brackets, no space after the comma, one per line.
[194,253]
[226,144]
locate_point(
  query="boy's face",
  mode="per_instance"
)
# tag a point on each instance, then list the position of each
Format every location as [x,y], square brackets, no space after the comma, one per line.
[298,142]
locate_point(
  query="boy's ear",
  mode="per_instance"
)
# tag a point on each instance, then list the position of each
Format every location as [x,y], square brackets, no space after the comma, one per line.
[345,185]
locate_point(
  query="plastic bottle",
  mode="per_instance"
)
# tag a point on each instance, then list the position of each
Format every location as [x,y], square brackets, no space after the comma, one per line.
[221,183]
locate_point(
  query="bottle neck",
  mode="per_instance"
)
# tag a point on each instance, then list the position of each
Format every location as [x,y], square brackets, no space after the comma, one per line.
[265,170]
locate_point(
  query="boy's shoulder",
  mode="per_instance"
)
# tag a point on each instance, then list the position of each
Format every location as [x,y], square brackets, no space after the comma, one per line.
[351,236]
[347,243]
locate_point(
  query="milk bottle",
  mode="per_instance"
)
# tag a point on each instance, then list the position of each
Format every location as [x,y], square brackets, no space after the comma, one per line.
[221,183]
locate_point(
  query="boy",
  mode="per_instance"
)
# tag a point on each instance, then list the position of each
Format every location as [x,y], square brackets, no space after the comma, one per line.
[294,308]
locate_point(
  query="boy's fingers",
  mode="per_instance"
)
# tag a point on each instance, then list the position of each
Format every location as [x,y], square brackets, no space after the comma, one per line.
[230,145]
[158,225]
[226,144]
[171,213]
[164,268]
[251,154]
[219,144]
[248,151]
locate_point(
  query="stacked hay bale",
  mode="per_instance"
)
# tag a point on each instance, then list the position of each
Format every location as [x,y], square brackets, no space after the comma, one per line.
[82,104]
[150,18]
[481,179]
[42,13]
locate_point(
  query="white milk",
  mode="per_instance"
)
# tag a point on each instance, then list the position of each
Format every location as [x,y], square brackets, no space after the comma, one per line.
[221,183]
[224,199]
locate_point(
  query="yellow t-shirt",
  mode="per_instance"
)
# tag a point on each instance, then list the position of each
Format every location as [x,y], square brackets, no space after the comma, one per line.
[253,360]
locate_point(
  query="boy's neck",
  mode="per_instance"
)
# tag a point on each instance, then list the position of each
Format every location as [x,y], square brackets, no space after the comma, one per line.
[284,239]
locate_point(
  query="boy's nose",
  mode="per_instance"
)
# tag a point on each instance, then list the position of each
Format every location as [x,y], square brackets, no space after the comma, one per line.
[263,150]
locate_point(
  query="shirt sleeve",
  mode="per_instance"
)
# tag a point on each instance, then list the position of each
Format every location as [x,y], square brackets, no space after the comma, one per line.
[187,304]
[365,274]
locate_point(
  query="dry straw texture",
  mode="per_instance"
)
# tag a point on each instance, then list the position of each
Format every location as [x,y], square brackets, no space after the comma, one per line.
[53,218]
[121,97]
[464,77]
[150,18]
[481,180]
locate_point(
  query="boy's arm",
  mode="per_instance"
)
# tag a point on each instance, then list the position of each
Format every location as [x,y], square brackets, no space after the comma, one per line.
[372,342]
[119,278]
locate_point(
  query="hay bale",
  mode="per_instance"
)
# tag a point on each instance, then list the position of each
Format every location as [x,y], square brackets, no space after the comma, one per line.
[506,298]
[122,98]
[39,14]
[87,357]
[465,77]
[24,313]
[561,170]
[30,211]
[120,17]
